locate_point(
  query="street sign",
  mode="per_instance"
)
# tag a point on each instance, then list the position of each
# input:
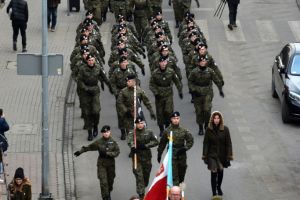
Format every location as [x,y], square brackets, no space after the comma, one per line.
[31,64]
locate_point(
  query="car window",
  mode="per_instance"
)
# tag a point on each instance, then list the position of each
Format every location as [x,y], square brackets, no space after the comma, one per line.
[295,67]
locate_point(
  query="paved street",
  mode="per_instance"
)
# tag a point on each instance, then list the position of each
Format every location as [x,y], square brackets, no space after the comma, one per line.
[266,151]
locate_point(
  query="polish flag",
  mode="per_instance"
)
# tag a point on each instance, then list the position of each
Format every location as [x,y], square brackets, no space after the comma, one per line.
[158,188]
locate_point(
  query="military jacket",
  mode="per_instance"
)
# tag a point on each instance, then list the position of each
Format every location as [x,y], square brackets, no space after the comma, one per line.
[161,82]
[107,145]
[118,79]
[200,81]
[125,100]
[181,138]
[77,52]
[115,65]
[145,137]
[165,26]
[88,78]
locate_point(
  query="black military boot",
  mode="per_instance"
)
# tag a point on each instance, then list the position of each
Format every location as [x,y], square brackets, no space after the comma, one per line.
[177,24]
[15,46]
[90,135]
[161,130]
[95,131]
[200,130]
[141,196]
[104,17]
[123,134]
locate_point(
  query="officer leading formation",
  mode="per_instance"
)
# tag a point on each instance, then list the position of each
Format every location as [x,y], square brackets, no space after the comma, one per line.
[149,36]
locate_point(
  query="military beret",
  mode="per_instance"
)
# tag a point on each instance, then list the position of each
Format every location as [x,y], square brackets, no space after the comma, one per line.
[90,56]
[123,50]
[123,58]
[187,14]
[158,13]
[83,51]
[130,77]
[164,47]
[200,45]
[157,27]
[193,33]
[154,22]
[157,35]
[87,20]
[89,12]
[159,43]
[162,58]
[83,30]
[83,37]
[121,27]
[151,18]
[105,128]
[84,47]
[190,28]
[139,119]
[121,18]
[120,42]
[203,58]
[175,114]
[121,35]
[90,23]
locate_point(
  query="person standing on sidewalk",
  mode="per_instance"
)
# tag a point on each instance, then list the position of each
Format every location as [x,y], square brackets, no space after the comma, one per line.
[108,149]
[52,13]
[217,150]
[18,10]
[20,186]
[232,6]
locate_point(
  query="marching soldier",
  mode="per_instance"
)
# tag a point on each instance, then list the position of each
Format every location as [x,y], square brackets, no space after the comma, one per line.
[200,85]
[88,77]
[145,140]
[95,6]
[125,103]
[161,84]
[108,150]
[182,142]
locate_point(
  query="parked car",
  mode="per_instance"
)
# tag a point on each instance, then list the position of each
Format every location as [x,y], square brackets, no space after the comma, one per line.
[286,81]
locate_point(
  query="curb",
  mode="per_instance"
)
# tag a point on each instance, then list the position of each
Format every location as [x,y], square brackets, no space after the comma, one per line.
[67,150]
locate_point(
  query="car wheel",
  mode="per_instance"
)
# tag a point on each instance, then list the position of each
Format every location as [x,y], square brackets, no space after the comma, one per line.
[273,90]
[285,113]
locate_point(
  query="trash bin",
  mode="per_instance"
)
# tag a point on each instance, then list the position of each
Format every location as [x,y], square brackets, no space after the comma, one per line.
[74,4]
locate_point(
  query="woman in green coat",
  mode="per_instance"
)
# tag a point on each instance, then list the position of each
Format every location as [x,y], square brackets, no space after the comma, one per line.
[217,150]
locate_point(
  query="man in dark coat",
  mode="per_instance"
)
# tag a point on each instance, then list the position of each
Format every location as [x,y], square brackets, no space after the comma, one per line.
[3,128]
[217,150]
[18,10]
[52,13]
[232,6]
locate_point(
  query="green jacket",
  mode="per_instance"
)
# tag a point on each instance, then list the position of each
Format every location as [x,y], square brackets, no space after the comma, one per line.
[161,82]
[118,79]
[182,138]
[145,138]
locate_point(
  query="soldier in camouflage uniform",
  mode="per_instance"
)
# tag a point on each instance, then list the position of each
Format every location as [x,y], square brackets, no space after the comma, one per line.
[125,103]
[156,5]
[122,22]
[200,85]
[88,16]
[164,24]
[145,140]
[119,7]
[88,77]
[108,150]
[182,142]
[141,13]
[161,84]
[95,6]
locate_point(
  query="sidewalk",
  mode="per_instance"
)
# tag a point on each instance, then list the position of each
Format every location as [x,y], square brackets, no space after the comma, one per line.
[21,98]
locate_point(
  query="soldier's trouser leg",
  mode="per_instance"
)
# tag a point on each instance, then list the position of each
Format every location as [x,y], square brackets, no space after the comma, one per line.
[147,166]
[199,108]
[105,175]
[159,105]
[120,120]
[207,104]
[185,6]
[175,169]
[169,107]
[86,108]
[95,109]
[139,178]
[182,166]
[128,123]
[97,15]
[111,171]
[104,8]
[177,10]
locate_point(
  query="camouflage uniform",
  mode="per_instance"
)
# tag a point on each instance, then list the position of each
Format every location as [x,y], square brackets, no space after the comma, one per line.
[108,149]
[180,8]
[156,5]
[145,140]
[200,85]
[161,84]
[182,141]
[141,13]
[119,7]
[125,104]
[95,5]
[88,78]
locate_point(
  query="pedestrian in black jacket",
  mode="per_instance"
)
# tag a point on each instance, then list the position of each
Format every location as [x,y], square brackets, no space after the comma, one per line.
[232,6]
[52,13]
[19,19]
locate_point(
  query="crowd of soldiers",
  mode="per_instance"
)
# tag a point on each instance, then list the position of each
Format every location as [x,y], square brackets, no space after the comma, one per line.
[151,34]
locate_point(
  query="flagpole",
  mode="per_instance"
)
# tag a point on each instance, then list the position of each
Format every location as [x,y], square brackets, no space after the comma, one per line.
[170,169]
[134,126]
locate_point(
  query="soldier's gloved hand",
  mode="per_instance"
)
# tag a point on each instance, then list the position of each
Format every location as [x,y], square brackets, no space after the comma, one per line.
[133,150]
[77,153]
[180,95]
[143,71]
[153,116]
[141,146]
[102,85]
[158,158]
[222,93]
[181,150]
